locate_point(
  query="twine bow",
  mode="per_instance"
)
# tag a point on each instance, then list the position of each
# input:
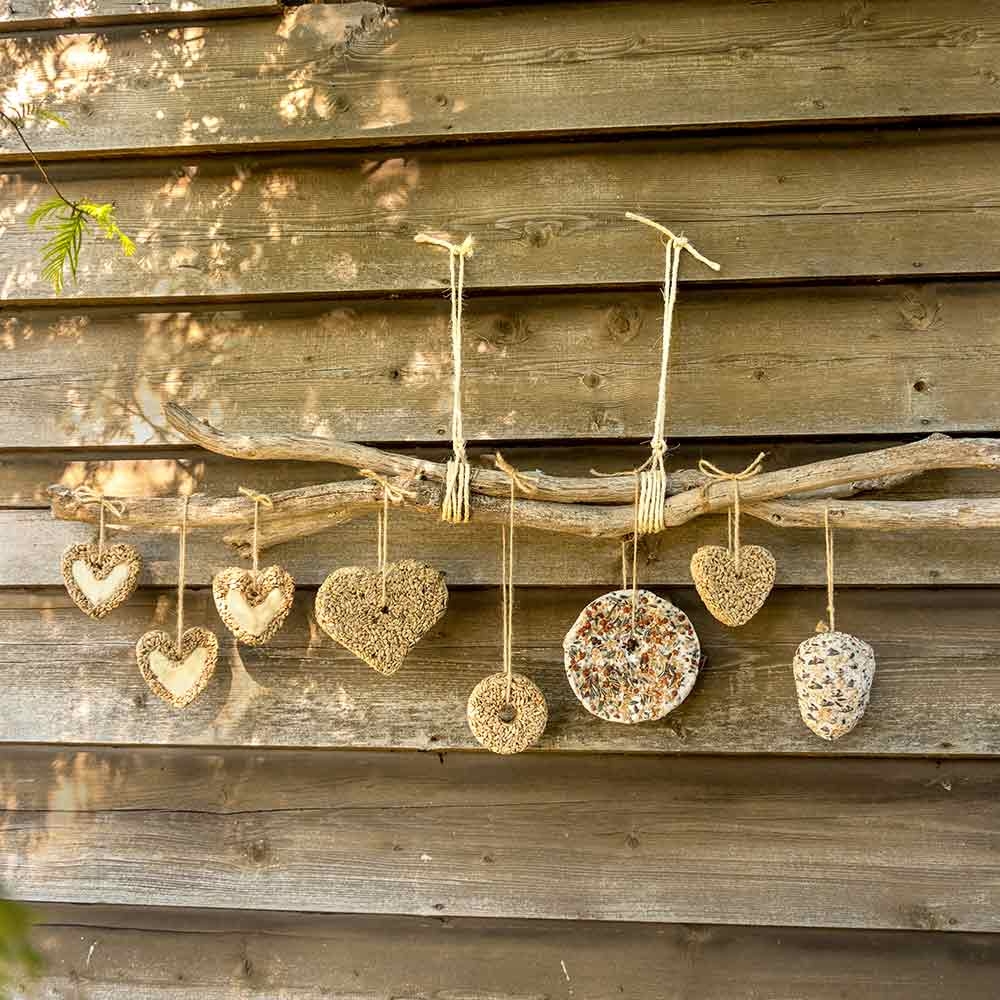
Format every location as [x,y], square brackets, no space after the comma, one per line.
[652,473]
[86,495]
[259,499]
[717,475]
[455,506]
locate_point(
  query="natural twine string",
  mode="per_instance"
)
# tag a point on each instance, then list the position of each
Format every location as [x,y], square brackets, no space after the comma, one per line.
[455,507]
[717,475]
[393,493]
[86,495]
[182,570]
[635,552]
[635,541]
[525,484]
[258,499]
[652,473]
[828,531]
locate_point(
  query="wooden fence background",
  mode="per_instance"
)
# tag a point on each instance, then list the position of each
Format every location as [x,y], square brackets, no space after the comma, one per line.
[839,157]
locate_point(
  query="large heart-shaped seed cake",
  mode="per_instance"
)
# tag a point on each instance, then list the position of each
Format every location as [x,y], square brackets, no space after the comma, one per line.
[350,609]
[177,675]
[99,581]
[733,597]
[253,605]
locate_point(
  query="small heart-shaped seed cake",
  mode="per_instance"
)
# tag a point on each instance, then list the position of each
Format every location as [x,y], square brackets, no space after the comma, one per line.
[178,675]
[350,609]
[833,679]
[733,598]
[98,582]
[626,674]
[253,606]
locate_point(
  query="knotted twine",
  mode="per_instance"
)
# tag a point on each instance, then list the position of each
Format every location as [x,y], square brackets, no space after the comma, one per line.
[258,500]
[525,485]
[652,473]
[86,495]
[390,493]
[182,570]
[717,475]
[455,506]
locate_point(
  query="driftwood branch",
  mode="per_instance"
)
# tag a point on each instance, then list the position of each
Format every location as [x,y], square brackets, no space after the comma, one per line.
[595,507]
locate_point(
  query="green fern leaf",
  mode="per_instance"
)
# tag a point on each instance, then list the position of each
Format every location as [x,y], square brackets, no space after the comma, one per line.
[63,250]
[46,209]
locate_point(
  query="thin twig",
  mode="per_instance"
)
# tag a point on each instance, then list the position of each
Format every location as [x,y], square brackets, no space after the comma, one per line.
[12,122]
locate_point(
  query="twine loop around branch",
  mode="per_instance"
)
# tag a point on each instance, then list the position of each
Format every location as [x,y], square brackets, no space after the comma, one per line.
[455,506]
[717,475]
[87,495]
[651,504]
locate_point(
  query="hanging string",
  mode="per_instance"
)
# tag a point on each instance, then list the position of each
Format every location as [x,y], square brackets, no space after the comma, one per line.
[526,485]
[455,507]
[635,542]
[635,552]
[390,493]
[653,473]
[828,531]
[717,475]
[258,499]
[182,570]
[85,495]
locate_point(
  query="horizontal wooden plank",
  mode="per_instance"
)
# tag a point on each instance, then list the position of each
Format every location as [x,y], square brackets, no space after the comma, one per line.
[68,679]
[839,204]
[337,74]
[822,360]
[836,843]
[126,953]
[470,554]
[36,15]
[131,472]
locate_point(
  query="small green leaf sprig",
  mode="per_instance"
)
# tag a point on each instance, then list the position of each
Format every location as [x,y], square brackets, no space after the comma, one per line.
[68,220]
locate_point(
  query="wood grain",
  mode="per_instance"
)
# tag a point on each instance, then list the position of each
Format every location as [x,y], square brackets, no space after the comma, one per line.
[126,953]
[36,15]
[823,360]
[838,204]
[352,74]
[71,680]
[881,844]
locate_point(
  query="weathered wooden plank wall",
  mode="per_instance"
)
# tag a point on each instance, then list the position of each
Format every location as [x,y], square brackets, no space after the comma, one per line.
[121,953]
[838,158]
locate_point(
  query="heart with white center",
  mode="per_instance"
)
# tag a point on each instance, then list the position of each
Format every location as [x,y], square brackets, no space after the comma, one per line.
[253,605]
[178,676]
[99,581]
